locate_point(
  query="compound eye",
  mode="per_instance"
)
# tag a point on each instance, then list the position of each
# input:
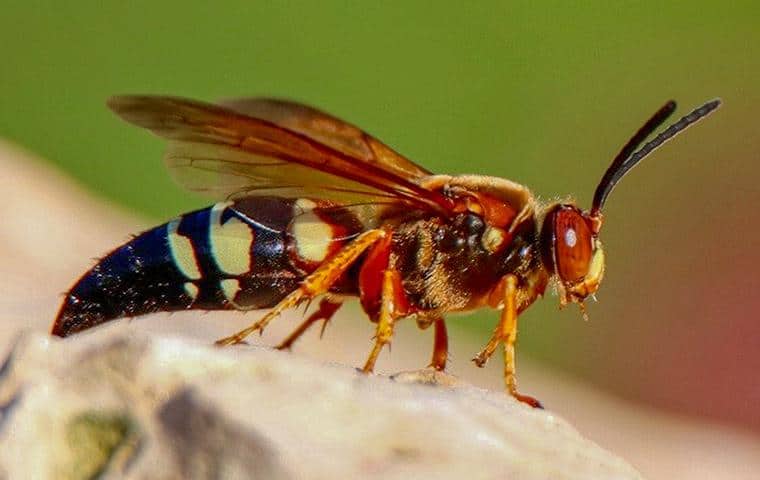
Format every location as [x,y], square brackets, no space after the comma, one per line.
[572,244]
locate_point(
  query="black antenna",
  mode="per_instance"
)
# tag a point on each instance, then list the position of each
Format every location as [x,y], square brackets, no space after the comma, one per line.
[625,160]
[650,126]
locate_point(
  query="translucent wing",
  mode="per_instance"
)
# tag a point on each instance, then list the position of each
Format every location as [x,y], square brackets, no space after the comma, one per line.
[228,153]
[227,172]
[329,130]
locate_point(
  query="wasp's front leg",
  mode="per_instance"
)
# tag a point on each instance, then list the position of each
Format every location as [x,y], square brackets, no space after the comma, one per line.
[317,283]
[506,333]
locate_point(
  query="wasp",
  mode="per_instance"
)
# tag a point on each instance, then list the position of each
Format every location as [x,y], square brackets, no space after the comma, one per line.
[313,207]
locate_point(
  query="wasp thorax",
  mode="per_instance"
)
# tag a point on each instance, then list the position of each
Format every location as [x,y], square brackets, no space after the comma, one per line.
[570,250]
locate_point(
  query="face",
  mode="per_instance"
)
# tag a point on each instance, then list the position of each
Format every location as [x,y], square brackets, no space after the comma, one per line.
[571,250]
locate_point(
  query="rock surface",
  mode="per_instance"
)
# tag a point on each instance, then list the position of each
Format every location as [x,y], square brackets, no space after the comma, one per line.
[110,405]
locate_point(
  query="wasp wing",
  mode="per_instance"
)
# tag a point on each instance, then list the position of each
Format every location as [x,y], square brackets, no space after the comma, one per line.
[227,153]
[329,130]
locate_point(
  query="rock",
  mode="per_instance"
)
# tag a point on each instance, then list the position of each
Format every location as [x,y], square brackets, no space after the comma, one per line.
[110,405]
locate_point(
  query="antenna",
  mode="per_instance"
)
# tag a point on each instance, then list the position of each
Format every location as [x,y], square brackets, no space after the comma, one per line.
[625,160]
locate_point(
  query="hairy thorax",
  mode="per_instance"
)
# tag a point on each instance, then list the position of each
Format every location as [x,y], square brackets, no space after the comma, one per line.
[452,265]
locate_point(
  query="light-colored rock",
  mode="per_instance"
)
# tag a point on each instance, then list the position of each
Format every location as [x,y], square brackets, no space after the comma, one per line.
[142,407]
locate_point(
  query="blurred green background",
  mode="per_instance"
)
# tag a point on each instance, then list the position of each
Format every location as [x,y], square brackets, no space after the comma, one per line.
[541,93]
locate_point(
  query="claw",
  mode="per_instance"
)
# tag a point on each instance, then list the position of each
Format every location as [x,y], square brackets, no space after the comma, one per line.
[528,400]
[239,338]
[324,327]
[479,360]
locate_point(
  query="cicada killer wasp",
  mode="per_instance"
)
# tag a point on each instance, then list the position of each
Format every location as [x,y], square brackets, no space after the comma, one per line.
[315,207]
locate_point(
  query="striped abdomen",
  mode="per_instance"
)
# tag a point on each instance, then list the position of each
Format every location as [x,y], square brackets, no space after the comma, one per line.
[248,254]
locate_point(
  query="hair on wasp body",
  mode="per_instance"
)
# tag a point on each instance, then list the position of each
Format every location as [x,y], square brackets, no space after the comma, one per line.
[312,206]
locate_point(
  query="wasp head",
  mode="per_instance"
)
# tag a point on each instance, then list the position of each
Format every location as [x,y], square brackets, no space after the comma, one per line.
[570,246]
[571,250]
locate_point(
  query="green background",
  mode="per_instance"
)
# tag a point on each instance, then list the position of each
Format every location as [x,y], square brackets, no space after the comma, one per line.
[541,93]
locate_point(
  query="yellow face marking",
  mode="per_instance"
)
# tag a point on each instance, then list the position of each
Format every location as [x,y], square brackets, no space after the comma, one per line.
[230,242]
[590,283]
[182,251]
[191,290]
[230,288]
[596,269]
[311,234]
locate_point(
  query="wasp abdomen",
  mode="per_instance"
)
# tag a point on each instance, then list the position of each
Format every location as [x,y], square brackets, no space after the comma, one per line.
[204,260]
[243,255]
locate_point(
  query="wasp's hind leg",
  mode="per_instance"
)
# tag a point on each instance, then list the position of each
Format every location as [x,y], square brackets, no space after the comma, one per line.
[326,310]
[506,333]
[317,283]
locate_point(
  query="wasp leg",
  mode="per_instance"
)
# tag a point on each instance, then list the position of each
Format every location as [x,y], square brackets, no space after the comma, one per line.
[385,323]
[327,308]
[317,283]
[440,345]
[506,333]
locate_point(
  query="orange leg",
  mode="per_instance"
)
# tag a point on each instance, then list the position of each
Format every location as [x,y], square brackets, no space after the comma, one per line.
[327,308]
[506,333]
[440,345]
[385,323]
[317,283]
